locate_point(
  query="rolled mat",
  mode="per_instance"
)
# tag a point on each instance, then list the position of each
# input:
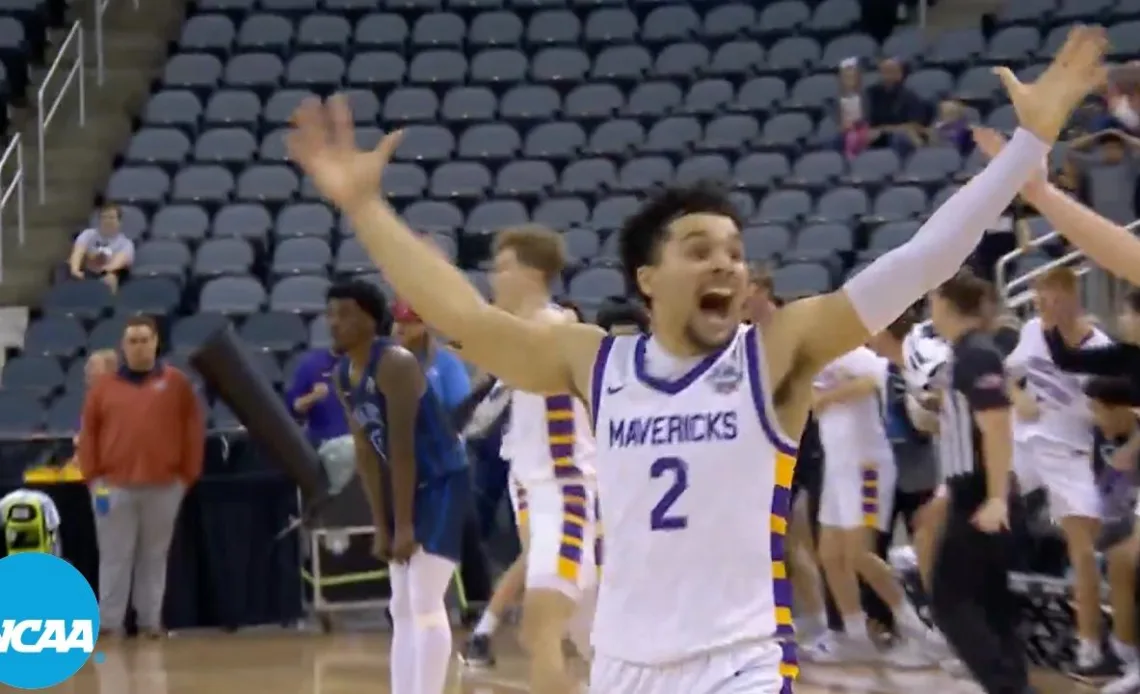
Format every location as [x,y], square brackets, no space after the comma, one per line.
[224,363]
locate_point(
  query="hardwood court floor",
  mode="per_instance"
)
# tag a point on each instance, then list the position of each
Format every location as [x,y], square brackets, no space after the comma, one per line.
[302,663]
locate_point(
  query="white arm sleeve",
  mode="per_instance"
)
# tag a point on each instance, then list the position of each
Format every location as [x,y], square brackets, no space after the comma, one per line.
[884,290]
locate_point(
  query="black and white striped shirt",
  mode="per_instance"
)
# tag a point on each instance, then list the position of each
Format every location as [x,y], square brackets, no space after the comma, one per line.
[977,383]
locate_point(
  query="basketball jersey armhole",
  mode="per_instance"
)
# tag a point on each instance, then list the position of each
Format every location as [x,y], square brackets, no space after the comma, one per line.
[597,378]
[761,396]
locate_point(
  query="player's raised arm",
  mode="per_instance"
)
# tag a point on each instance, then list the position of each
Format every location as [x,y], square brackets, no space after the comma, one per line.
[1109,244]
[527,355]
[868,302]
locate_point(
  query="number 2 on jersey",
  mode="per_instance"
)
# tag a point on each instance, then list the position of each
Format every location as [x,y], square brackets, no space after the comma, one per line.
[676,470]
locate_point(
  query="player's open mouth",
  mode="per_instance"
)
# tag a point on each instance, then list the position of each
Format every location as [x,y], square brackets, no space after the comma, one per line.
[716,302]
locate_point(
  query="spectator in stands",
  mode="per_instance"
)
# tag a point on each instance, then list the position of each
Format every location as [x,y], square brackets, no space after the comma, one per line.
[896,114]
[1111,171]
[446,373]
[762,303]
[952,129]
[312,399]
[141,449]
[855,133]
[102,252]
[1121,101]
[619,316]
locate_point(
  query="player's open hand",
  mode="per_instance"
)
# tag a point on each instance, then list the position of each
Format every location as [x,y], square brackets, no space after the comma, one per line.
[323,143]
[1043,107]
[990,142]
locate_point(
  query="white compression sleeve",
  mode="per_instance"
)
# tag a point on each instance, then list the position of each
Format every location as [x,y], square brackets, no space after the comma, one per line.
[886,287]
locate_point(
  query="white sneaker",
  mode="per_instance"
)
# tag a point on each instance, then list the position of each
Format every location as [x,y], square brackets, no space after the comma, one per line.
[907,654]
[834,648]
[1088,655]
[1129,683]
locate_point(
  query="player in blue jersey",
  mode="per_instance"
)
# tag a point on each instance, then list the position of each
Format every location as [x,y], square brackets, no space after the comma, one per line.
[415,475]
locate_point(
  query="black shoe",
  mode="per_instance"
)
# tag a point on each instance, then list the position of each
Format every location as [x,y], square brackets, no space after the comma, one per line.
[1108,668]
[477,653]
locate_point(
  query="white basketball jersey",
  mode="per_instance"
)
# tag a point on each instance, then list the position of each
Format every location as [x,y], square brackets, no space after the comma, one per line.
[548,437]
[854,430]
[694,490]
[1065,416]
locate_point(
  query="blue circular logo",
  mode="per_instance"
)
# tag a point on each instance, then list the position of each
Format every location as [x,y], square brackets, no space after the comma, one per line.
[49,620]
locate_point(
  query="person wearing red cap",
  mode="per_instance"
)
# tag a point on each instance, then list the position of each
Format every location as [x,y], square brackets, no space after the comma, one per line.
[445,372]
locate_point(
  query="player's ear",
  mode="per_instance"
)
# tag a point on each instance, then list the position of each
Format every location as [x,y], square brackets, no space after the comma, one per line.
[645,275]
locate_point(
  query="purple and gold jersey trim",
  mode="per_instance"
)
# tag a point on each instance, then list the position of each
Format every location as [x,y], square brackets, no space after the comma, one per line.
[574,500]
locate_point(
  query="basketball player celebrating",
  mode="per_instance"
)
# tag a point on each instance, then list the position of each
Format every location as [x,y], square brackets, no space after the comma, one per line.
[551,451]
[1053,441]
[414,473]
[858,490]
[691,443]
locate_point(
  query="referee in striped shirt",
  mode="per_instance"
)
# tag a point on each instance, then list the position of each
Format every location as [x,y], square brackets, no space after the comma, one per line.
[971,601]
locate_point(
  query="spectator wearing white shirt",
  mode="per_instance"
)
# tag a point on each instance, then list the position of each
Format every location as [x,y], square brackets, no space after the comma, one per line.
[103,252]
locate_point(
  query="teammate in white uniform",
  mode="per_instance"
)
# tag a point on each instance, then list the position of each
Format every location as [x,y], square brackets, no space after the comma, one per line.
[550,449]
[1053,439]
[693,482]
[855,506]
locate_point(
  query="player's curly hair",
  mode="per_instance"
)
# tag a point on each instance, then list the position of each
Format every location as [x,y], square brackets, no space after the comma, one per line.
[643,232]
[368,297]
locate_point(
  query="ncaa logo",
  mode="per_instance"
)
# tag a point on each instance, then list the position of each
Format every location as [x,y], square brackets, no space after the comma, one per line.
[49,619]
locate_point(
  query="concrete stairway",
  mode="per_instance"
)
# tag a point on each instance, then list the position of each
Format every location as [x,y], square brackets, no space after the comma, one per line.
[78,159]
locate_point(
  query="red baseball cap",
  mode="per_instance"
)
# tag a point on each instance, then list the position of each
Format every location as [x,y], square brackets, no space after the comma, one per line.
[402,312]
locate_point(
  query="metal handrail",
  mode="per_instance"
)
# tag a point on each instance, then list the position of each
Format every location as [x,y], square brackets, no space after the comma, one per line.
[74,39]
[15,187]
[100,55]
[1017,292]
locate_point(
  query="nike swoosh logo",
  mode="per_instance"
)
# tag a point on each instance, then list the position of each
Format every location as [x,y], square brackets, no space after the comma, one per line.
[610,390]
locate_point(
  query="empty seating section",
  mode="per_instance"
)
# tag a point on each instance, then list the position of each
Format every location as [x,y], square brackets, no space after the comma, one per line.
[562,112]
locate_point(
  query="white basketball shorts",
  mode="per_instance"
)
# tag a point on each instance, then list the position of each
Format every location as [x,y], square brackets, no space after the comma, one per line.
[1064,472]
[560,521]
[754,668]
[857,493]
